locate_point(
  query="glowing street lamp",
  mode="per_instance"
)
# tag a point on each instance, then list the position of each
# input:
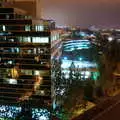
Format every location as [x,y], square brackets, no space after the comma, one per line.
[110,39]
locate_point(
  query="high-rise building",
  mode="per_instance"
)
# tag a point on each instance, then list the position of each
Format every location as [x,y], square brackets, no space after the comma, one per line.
[25,56]
[28,47]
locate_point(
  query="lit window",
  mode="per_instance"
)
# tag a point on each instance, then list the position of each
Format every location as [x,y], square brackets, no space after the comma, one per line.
[14,73]
[37,72]
[26,39]
[40,40]
[4,28]
[53,38]
[36,28]
[12,81]
[27,28]
[39,28]
[10,62]
[20,39]
[34,50]
[26,72]
[12,40]
[57,36]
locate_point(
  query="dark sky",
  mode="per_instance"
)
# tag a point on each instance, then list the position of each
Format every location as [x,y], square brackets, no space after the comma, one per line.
[83,12]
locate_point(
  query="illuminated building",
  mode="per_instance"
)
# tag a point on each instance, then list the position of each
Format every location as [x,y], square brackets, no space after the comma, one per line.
[76,58]
[56,44]
[26,46]
[25,55]
[56,52]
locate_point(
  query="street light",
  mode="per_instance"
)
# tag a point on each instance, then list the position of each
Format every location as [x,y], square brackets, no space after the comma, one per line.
[110,38]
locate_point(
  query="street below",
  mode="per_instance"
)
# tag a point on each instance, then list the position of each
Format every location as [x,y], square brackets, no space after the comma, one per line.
[112,112]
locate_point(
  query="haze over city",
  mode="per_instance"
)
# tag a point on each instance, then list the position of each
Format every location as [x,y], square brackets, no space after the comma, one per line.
[83,13]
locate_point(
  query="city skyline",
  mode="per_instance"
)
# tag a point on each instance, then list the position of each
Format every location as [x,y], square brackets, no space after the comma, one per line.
[102,13]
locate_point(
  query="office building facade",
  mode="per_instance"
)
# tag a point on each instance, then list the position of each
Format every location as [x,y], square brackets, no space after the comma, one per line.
[25,57]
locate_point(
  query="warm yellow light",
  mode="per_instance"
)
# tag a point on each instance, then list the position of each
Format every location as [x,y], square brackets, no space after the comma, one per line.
[38,82]
[14,73]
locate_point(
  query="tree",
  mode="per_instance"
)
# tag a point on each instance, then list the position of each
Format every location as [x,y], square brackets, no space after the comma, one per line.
[107,62]
[72,72]
[74,96]
[88,91]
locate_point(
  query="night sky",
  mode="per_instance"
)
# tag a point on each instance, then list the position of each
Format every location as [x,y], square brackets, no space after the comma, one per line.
[85,13]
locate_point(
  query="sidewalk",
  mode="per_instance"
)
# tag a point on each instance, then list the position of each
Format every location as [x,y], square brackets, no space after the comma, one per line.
[80,111]
[115,93]
[90,105]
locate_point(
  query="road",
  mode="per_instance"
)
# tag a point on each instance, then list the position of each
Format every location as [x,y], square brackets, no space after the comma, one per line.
[111,113]
[107,110]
